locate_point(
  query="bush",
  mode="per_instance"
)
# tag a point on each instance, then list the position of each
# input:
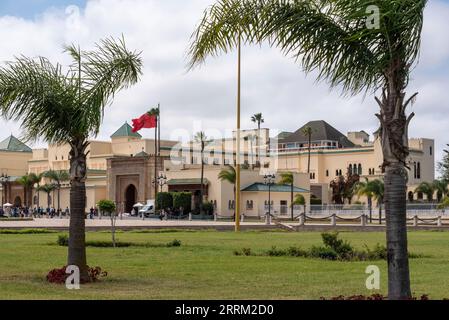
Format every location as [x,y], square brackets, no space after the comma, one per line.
[208,208]
[323,253]
[341,247]
[63,240]
[174,243]
[184,200]
[59,276]
[27,231]
[299,200]
[164,200]
[314,201]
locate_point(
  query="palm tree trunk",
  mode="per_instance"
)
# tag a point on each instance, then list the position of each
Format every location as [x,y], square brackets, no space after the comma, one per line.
[59,198]
[394,141]
[77,239]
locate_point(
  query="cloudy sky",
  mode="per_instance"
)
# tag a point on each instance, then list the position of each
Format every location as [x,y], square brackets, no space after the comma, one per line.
[272,84]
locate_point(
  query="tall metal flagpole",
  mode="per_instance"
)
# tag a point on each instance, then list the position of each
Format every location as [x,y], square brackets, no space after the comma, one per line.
[237,171]
[156,157]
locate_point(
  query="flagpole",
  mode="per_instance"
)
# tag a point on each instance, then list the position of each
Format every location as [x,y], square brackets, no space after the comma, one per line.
[155,159]
[237,179]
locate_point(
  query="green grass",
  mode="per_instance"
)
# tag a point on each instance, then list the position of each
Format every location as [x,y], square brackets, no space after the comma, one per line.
[204,267]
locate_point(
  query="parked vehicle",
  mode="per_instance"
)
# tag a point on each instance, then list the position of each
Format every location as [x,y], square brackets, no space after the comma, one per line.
[148,209]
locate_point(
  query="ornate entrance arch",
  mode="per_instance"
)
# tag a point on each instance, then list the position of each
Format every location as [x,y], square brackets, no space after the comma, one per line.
[130,198]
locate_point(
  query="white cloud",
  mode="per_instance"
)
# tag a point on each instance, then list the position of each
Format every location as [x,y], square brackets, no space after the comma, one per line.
[272,84]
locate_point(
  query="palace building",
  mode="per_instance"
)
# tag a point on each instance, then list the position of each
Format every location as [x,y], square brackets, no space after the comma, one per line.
[124,168]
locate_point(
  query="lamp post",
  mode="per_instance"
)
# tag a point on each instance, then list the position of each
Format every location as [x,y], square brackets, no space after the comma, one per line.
[161,181]
[269,180]
[4,179]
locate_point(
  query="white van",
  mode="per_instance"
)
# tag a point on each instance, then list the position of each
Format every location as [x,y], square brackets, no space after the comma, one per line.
[148,209]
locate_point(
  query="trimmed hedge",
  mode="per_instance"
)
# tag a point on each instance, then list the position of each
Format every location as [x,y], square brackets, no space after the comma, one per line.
[164,200]
[184,200]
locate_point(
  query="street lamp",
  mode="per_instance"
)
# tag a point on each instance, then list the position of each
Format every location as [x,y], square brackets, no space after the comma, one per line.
[269,180]
[161,180]
[4,179]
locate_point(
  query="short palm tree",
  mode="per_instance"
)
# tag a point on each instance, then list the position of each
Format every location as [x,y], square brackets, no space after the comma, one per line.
[48,189]
[27,183]
[258,119]
[441,187]
[288,179]
[201,139]
[426,188]
[352,47]
[36,179]
[67,108]
[372,189]
[228,174]
[307,132]
[57,177]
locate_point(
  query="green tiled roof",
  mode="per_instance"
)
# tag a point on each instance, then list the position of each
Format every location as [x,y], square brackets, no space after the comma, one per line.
[182,182]
[125,131]
[15,145]
[142,154]
[261,187]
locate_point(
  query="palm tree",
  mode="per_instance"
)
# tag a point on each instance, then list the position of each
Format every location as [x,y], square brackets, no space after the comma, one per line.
[67,108]
[369,189]
[201,138]
[288,179]
[258,119]
[351,49]
[58,177]
[441,187]
[426,188]
[36,179]
[228,174]
[307,132]
[48,189]
[27,183]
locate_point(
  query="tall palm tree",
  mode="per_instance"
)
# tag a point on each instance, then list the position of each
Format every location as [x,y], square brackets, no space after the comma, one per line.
[67,108]
[441,187]
[48,189]
[201,139]
[426,188]
[228,174]
[343,42]
[288,179]
[27,183]
[258,119]
[307,132]
[37,178]
[57,177]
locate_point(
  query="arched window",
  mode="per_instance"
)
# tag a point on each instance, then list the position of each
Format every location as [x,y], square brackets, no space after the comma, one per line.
[340,173]
[350,170]
[327,173]
[411,196]
[360,169]
[420,196]
[414,170]
[336,173]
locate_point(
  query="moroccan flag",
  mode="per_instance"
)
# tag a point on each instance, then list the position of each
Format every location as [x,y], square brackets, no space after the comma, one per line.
[146,121]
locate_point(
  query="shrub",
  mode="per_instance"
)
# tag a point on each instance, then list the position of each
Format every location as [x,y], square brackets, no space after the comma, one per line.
[59,276]
[244,252]
[174,243]
[164,200]
[341,247]
[274,252]
[323,253]
[184,200]
[299,200]
[63,240]
[27,231]
[208,208]
[315,201]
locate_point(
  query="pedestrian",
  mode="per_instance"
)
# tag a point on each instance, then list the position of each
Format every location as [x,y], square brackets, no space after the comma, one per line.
[92,211]
[67,212]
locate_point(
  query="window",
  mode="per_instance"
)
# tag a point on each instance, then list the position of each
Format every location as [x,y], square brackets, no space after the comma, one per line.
[431,151]
[336,173]
[418,170]
[360,169]
[327,173]
[249,205]
[350,170]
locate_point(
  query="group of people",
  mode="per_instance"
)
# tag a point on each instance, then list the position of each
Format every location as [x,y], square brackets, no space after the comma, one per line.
[36,212]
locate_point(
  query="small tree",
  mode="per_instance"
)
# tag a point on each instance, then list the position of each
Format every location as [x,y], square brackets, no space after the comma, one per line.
[164,200]
[108,208]
[183,200]
[426,188]
[443,166]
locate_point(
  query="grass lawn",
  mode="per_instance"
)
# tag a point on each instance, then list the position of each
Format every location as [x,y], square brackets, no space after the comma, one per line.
[204,267]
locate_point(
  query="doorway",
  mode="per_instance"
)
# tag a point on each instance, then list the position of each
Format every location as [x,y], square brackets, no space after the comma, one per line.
[130,198]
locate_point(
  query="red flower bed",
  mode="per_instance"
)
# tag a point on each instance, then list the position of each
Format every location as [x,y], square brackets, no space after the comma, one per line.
[59,276]
[374,297]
